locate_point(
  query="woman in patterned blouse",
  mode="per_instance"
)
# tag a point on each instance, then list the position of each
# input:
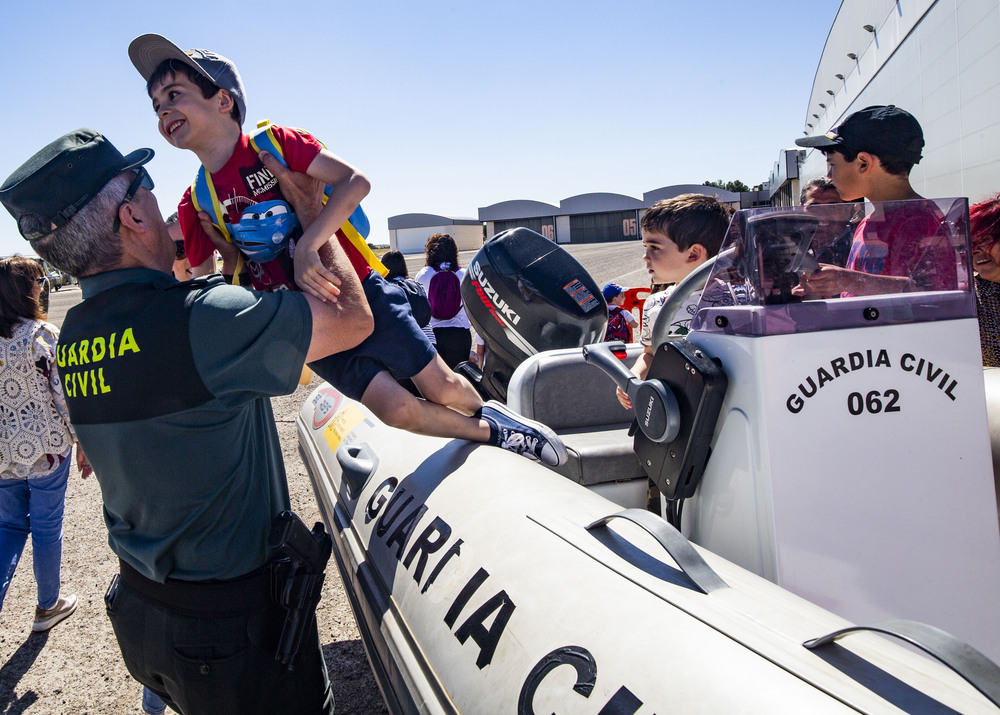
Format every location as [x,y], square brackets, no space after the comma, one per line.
[35,440]
[985,228]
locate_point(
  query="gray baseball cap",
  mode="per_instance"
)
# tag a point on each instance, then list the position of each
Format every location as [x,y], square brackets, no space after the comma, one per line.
[148,51]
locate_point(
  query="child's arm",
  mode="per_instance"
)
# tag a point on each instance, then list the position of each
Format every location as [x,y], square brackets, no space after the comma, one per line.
[640,369]
[480,351]
[302,191]
[830,281]
[349,187]
[229,252]
[630,319]
[338,323]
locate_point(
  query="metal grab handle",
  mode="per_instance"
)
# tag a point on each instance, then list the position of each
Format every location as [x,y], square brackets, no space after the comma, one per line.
[977,670]
[676,545]
[358,463]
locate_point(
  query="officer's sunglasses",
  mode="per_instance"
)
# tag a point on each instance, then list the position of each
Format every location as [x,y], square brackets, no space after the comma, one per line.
[142,179]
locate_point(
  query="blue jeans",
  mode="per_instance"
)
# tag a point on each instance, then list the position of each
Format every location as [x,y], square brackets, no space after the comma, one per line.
[33,506]
[152,703]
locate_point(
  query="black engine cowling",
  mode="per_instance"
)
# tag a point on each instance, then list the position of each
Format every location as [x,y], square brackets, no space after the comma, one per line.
[525,294]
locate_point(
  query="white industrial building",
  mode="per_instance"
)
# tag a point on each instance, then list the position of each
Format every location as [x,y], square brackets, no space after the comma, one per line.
[409,232]
[938,60]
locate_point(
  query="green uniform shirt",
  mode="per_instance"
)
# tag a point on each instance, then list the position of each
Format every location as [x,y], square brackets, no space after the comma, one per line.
[168,384]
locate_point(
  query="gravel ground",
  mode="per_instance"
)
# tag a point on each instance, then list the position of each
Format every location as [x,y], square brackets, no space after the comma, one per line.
[77,667]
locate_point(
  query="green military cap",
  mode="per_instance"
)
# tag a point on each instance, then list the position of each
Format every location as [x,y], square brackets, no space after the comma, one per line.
[59,180]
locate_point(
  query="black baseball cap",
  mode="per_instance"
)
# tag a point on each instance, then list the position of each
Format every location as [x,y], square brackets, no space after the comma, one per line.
[886,131]
[148,51]
[60,179]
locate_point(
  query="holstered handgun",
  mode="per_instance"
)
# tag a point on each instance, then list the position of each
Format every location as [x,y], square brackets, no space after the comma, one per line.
[297,579]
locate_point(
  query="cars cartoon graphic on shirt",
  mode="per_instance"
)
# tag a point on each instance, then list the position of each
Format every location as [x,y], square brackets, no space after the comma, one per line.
[264,230]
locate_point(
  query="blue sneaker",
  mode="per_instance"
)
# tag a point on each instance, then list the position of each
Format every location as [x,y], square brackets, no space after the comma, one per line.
[511,431]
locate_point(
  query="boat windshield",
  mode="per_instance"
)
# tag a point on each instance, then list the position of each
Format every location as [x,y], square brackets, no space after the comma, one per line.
[830,266]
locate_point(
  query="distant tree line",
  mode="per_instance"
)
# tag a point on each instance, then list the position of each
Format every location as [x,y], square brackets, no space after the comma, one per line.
[736,185]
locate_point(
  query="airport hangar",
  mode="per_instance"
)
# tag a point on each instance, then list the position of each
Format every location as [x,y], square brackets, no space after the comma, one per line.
[587,218]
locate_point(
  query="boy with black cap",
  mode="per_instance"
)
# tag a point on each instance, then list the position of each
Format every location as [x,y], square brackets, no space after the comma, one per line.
[200,102]
[180,434]
[900,245]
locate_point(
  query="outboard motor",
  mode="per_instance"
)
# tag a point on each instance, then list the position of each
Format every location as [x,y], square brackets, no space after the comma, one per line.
[525,294]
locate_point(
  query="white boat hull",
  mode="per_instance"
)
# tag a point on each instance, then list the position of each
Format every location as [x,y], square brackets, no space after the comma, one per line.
[478,588]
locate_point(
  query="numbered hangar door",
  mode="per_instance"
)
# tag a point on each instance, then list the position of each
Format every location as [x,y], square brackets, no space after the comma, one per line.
[603,227]
[545,225]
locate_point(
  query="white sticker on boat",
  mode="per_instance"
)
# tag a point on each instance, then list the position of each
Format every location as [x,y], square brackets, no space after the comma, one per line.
[325,403]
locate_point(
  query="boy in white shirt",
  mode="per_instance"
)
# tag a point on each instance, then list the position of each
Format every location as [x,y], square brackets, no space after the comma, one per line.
[678,235]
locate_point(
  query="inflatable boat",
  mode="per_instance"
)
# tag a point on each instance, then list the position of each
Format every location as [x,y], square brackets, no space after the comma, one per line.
[827,537]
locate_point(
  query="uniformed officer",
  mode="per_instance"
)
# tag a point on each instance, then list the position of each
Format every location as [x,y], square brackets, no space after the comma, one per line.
[167,385]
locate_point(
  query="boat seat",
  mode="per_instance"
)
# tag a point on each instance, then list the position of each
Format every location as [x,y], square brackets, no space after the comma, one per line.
[577,400]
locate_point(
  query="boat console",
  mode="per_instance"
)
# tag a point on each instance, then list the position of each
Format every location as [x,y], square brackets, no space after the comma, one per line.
[851,458]
[834,444]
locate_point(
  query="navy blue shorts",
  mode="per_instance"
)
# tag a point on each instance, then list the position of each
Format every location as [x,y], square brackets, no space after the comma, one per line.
[397,343]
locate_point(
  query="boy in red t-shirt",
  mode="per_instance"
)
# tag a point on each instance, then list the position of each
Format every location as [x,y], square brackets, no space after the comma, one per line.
[200,104]
[900,246]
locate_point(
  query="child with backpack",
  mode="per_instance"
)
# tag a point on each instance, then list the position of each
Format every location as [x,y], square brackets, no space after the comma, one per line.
[621,322]
[200,104]
[442,279]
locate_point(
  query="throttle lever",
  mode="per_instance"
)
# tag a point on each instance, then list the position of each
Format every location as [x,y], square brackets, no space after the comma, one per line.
[654,403]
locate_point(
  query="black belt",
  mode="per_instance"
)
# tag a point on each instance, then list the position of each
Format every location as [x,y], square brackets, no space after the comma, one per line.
[204,598]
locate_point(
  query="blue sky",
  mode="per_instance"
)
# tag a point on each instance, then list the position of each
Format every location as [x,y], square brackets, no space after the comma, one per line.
[445,106]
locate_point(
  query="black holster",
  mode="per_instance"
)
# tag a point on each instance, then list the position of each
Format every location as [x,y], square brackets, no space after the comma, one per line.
[297,579]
